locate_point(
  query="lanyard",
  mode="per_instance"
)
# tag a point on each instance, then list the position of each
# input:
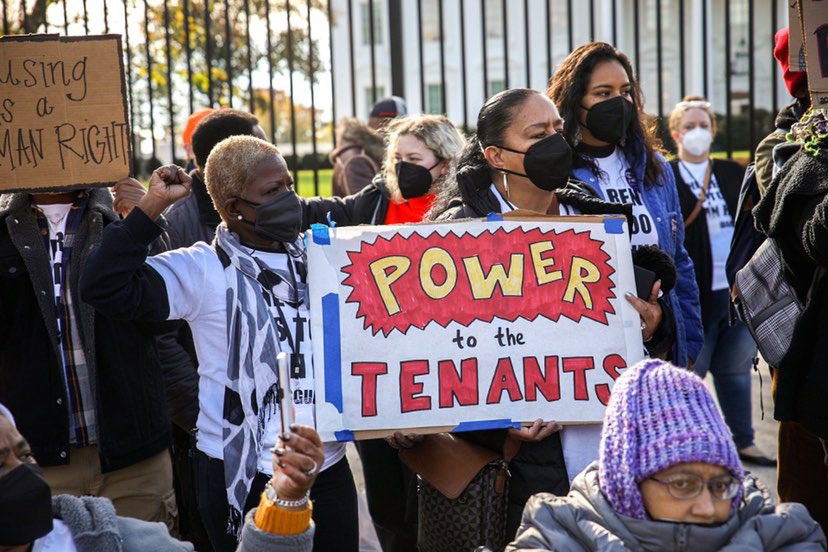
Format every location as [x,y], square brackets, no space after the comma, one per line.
[293,341]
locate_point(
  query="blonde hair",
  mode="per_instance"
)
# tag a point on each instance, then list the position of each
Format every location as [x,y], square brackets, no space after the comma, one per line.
[435,131]
[686,104]
[230,166]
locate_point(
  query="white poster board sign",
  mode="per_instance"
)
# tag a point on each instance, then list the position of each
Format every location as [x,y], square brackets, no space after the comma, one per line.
[469,325]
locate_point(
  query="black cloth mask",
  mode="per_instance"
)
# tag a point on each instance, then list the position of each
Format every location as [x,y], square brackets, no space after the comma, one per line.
[25,506]
[414,180]
[547,162]
[278,220]
[609,120]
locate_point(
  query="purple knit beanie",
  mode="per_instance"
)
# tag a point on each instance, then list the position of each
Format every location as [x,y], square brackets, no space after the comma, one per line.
[658,416]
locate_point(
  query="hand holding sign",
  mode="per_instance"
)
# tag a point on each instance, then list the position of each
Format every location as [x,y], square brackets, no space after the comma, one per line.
[167,185]
[537,432]
[297,458]
[650,311]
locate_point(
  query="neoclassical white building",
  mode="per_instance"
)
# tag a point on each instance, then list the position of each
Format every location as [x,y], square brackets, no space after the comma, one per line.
[402,15]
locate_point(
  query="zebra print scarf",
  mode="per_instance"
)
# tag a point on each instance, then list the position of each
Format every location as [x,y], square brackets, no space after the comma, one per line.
[250,394]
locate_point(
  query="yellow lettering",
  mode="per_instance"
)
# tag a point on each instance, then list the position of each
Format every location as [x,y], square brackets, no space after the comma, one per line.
[582,272]
[384,279]
[537,249]
[437,256]
[483,285]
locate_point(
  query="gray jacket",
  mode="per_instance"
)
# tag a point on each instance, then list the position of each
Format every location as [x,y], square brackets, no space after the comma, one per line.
[584,520]
[96,528]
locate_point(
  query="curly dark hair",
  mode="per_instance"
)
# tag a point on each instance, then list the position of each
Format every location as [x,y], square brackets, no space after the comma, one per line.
[568,86]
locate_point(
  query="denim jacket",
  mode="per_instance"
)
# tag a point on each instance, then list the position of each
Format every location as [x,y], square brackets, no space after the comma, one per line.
[662,202]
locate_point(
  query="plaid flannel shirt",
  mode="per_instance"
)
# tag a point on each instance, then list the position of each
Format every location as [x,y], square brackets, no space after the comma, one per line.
[82,416]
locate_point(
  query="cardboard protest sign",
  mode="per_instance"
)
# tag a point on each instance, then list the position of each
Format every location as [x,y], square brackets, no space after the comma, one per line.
[815,25]
[469,325]
[63,112]
[796,52]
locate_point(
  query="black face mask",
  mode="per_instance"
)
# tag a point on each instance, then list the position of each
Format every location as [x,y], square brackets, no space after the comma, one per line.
[414,180]
[25,506]
[609,120]
[547,162]
[278,220]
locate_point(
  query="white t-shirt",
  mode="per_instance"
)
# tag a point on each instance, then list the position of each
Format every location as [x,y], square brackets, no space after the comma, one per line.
[719,221]
[196,291]
[616,176]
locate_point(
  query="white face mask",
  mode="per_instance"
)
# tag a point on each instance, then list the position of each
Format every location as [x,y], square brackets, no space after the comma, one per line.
[697,141]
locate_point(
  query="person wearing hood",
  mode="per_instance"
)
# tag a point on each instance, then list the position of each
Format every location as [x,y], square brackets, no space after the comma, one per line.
[617,153]
[668,478]
[794,213]
[242,294]
[357,157]
[31,518]
[709,194]
[520,160]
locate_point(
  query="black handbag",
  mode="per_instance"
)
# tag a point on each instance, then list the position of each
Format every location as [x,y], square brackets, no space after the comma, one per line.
[462,494]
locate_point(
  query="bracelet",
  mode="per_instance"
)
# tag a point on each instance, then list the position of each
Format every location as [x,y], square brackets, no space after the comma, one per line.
[276,520]
[270,493]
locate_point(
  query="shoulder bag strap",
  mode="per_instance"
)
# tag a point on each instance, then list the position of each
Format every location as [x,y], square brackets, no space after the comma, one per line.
[691,218]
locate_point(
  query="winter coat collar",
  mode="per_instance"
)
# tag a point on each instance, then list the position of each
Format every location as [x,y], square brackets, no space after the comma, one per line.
[100,200]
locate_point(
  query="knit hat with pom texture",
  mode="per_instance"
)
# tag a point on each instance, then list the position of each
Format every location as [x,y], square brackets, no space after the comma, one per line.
[659,416]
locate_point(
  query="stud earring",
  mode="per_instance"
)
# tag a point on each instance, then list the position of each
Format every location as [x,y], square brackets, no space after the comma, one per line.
[239,217]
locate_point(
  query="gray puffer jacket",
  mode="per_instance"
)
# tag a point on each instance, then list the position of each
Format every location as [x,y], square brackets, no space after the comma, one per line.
[584,520]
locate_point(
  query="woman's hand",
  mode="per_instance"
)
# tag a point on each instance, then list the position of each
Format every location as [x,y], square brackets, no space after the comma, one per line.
[167,185]
[297,459]
[127,193]
[404,441]
[535,433]
[649,310]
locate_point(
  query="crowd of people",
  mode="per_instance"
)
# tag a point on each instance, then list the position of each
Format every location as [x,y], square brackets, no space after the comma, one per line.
[140,332]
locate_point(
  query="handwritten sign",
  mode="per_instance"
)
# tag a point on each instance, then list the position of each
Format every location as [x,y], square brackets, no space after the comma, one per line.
[469,325]
[63,112]
[815,24]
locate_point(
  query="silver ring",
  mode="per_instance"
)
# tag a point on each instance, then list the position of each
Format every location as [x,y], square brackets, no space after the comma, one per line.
[312,471]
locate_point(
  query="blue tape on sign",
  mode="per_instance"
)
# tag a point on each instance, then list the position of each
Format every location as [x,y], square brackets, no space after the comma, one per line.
[344,435]
[614,225]
[320,234]
[494,217]
[331,222]
[485,424]
[333,350]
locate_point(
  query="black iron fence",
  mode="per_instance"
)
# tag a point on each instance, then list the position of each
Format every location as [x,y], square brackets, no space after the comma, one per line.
[302,65]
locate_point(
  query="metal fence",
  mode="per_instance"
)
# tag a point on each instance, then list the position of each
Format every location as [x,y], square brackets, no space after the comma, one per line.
[303,65]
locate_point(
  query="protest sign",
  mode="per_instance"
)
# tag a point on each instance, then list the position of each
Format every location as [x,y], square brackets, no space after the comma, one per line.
[63,112]
[815,24]
[469,325]
[796,52]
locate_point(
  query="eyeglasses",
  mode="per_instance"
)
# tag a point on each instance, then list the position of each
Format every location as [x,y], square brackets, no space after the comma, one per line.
[689,486]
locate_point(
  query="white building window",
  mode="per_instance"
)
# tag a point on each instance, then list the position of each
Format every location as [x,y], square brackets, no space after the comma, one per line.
[496,86]
[434,99]
[365,18]
[369,98]
[431,21]
[494,19]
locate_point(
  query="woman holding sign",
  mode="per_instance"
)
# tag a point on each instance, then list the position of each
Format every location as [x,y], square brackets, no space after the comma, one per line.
[520,160]
[244,299]
[617,154]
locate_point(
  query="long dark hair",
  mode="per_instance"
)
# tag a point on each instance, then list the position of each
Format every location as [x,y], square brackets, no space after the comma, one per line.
[568,86]
[492,121]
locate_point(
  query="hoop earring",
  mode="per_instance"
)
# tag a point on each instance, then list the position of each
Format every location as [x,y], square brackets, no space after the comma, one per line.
[506,185]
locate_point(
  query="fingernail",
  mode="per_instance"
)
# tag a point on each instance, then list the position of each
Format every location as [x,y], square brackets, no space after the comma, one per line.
[294,427]
[286,436]
[280,463]
[628,294]
[279,451]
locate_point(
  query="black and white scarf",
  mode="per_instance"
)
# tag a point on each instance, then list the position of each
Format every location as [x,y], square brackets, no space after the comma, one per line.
[251,391]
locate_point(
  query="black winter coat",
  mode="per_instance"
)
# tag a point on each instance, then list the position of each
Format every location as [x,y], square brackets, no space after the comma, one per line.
[794,211]
[729,175]
[131,414]
[368,206]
